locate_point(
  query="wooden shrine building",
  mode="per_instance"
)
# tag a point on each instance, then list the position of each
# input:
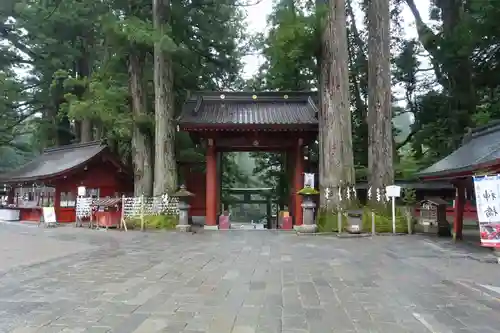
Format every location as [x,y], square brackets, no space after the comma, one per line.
[479,154]
[241,121]
[53,178]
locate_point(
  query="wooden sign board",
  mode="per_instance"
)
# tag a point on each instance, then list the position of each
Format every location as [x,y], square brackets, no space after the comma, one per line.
[49,215]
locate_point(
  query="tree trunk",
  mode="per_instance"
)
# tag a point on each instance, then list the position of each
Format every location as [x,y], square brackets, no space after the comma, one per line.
[84,69]
[380,141]
[86,130]
[165,168]
[141,142]
[336,165]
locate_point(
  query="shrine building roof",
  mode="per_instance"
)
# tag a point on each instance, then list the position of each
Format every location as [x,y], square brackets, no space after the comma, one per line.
[54,162]
[250,111]
[479,152]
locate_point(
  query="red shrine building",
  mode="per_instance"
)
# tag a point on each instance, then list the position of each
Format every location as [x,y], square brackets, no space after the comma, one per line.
[479,154]
[242,121]
[52,179]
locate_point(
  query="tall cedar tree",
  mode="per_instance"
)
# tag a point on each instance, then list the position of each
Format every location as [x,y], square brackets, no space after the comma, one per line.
[336,165]
[165,166]
[380,142]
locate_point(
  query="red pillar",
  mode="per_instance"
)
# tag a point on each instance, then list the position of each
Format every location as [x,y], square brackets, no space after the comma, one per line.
[290,163]
[211,190]
[298,181]
[459,211]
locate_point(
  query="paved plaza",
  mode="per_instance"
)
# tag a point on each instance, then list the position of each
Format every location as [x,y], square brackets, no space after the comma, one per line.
[79,280]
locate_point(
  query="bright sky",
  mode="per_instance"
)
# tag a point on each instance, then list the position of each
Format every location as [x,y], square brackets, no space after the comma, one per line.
[257,22]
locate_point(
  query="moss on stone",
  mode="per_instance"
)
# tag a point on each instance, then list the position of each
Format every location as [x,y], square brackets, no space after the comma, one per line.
[308,191]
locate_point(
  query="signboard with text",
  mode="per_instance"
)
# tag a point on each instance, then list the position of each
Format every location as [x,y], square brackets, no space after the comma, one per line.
[309,179]
[487,189]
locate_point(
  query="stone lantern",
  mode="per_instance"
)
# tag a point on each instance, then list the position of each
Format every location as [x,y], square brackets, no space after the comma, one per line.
[308,205]
[183,205]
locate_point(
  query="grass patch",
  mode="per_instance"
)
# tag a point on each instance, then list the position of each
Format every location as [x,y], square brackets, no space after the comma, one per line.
[165,222]
[327,221]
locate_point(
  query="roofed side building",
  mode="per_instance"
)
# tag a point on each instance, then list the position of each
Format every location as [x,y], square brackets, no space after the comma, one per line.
[478,154]
[53,177]
[480,151]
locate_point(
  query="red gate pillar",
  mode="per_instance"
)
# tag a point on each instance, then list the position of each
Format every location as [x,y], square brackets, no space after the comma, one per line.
[298,182]
[458,223]
[211,189]
[290,169]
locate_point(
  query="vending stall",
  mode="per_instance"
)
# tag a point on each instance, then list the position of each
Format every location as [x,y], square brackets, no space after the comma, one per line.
[107,212]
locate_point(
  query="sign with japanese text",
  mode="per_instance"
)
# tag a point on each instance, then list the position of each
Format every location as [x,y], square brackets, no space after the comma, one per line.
[309,179]
[487,190]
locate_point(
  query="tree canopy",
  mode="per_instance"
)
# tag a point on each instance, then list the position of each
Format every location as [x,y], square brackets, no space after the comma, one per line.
[66,70]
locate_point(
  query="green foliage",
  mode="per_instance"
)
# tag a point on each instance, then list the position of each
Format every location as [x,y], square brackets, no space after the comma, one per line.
[308,191]
[328,221]
[232,176]
[383,220]
[270,167]
[164,222]
[409,196]
[290,48]
[75,56]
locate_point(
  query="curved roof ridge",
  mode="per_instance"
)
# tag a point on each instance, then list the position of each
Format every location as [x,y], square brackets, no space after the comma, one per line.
[73,146]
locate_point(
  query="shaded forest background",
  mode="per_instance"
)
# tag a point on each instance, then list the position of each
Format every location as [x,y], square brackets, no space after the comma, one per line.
[90,71]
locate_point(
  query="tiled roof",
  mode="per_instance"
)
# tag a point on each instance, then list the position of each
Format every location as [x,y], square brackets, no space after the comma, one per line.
[54,162]
[262,110]
[480,149]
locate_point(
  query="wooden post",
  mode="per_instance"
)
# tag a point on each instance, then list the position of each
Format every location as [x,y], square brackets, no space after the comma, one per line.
[373,223]
[142,212]
[123,223]
[459,211]
[339,221]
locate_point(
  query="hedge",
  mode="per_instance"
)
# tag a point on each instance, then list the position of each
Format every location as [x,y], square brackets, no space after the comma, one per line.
[167,222]
[327,222]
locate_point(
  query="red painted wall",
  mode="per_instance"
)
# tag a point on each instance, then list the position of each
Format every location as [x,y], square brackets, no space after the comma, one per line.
[102,175]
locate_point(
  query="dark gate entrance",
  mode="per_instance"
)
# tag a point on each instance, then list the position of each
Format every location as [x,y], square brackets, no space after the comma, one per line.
[245,205]
[241,121]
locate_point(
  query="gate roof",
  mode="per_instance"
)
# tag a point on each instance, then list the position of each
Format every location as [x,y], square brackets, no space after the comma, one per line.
[236,111]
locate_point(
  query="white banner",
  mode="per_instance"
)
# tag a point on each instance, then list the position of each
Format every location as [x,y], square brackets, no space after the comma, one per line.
[487,190]
[309,179]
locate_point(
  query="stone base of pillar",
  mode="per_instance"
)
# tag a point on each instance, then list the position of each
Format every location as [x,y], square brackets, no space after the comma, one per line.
[211,227]
[306,228]
[183,228]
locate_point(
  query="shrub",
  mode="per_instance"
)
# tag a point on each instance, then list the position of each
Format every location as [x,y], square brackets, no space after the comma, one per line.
[327,221]
[383,220]
[167,222]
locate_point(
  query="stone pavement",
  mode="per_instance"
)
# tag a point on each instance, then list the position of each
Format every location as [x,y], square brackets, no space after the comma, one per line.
[79,280]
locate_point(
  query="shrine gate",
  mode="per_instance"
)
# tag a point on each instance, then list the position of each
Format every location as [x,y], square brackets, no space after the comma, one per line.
[242,121]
